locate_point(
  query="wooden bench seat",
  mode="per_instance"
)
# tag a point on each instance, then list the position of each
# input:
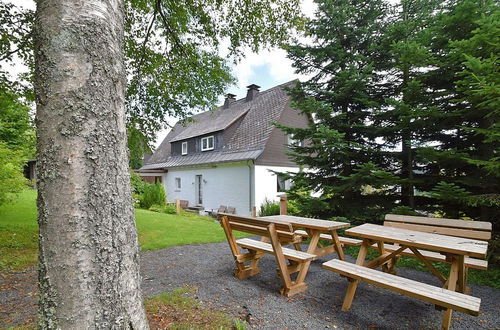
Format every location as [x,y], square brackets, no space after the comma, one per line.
[435,256]
[327,237]
[290,254]
[289,261]
[429,293]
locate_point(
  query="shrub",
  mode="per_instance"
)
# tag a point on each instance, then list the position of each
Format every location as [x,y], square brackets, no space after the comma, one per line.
[167,208]
[269,208]
[153,194]
[273,208]
[12,180]
[138,185]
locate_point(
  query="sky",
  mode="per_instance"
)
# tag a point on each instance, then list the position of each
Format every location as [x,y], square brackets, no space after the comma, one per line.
[267,68]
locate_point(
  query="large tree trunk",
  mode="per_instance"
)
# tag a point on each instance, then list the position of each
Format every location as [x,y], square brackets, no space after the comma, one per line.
[89,261]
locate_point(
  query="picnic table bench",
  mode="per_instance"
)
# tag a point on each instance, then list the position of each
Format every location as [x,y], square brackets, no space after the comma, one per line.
[455,250]
[279,234]
[452,227]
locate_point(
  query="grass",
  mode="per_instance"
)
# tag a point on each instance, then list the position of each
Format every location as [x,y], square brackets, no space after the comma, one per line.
[19,243]
[160,230]
[179,310]
[18,230]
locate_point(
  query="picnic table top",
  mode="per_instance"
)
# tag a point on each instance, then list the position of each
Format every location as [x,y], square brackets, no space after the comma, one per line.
[436,242]
[308,223]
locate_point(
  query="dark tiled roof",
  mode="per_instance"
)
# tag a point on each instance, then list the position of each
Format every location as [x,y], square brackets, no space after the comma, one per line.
[205,158]
[211,121]
[247,142]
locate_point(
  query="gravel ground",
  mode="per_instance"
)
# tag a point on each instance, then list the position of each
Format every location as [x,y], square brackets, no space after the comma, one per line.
[209,267]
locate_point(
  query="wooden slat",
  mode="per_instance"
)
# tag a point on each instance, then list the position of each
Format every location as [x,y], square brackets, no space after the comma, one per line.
[260,222]
[435,242]
[434,256]
[282,235]
[327,237]
[435,295]
[268,248]
[301,222]
[441,222]
[467,233]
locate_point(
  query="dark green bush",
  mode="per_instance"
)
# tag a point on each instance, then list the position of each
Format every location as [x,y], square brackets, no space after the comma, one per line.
[167,208]
[138,185]
[153,194]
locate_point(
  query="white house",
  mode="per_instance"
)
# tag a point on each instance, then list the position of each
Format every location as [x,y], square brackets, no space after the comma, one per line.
[226,156]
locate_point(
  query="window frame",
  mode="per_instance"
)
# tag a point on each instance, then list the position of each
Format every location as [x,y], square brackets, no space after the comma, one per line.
[178,183]
[207,138]
[184,144]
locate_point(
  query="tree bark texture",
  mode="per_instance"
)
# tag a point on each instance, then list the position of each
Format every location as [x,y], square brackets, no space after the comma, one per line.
[89,260]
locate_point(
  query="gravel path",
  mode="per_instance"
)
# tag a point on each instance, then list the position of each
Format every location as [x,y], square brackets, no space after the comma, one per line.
[209,268]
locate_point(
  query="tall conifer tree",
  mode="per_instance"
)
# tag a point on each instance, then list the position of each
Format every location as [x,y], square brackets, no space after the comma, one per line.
[342,153]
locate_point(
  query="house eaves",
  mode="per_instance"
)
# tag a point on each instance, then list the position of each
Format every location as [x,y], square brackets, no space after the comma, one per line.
[205,158]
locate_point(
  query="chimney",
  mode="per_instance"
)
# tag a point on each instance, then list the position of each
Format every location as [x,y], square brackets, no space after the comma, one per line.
[230,98]
[252,92]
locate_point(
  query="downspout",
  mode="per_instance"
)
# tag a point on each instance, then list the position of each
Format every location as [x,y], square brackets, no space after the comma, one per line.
[251,175]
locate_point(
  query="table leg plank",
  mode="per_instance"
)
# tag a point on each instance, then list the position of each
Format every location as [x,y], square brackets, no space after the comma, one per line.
[337,245]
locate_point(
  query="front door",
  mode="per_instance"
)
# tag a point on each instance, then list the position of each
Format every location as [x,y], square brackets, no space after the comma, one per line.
[199,190]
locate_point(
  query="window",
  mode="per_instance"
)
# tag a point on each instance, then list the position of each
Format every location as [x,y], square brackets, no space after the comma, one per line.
[207,143]
[184,147]
[282,184]
[178,183]
[292,141]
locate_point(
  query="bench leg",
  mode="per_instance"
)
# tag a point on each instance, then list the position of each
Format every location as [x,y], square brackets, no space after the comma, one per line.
[353,284]
[243,271]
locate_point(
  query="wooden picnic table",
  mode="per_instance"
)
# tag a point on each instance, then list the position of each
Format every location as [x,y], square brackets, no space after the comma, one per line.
[314,229]
[456,249]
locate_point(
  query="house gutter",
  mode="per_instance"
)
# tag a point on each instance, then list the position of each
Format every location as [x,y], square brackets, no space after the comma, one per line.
[251,176]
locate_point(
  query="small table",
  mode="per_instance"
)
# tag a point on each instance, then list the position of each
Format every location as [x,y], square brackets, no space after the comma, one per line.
[314,228]
[454,248]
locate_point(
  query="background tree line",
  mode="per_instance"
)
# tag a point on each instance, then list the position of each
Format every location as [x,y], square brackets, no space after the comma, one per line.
[405,100]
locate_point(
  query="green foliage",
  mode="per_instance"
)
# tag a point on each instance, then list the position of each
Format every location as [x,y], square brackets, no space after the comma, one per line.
[404,210]
[239,324]
[405,105]
[167,208]
[138,185]
[270,207]
[12,180]
[153,194]
[172,57]
[138,146]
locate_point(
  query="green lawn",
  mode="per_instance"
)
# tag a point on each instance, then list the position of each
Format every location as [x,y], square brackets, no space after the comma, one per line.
[18,231]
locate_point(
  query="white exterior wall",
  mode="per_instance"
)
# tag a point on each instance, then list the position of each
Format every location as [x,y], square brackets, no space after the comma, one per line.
[225,184]
[266,183]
